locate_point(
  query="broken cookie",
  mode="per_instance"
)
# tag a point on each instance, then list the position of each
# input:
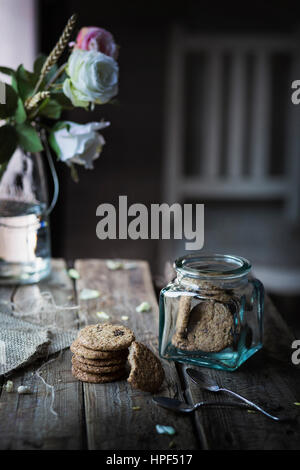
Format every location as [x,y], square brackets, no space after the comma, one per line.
[146,373]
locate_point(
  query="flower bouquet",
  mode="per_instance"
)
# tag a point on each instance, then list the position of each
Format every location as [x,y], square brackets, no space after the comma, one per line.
[30,123]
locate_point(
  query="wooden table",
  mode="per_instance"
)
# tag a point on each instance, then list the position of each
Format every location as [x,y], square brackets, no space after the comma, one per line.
[113,416]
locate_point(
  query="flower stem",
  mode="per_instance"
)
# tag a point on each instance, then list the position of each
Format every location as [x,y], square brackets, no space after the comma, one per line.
[59,72]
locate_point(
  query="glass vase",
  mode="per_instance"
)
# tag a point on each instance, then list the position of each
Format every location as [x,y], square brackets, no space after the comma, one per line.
[25,250]
[212,313]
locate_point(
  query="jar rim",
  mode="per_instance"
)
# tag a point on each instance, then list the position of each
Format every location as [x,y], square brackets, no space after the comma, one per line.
[212,266]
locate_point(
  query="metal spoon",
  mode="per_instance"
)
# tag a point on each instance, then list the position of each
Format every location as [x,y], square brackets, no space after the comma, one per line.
[198,378]
[182,407]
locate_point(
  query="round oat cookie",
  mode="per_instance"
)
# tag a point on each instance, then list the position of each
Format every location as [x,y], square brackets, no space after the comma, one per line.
[96,369]
[101,362]
[97,378]
[105,337]
[86,353]
[146,373]
[210,328]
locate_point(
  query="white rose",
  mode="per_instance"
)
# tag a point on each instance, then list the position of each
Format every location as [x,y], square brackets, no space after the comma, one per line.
[78,143]
[93,78]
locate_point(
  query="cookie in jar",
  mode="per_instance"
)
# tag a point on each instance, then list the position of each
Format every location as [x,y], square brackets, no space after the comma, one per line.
[211,314]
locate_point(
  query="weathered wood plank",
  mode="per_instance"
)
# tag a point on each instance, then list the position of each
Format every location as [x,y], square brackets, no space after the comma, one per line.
[26,421]
[5,296]
[269,379]
[111,421]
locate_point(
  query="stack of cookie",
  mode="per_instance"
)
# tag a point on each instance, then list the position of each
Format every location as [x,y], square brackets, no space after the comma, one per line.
[100,353]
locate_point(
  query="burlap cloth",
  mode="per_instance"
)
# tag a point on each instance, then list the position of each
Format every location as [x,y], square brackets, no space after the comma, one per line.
[22,342]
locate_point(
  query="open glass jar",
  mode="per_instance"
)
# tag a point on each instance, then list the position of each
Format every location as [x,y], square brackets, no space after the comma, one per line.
[25,251]
[212,313]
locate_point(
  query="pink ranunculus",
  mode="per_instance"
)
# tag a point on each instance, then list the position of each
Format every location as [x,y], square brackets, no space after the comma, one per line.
[92,38]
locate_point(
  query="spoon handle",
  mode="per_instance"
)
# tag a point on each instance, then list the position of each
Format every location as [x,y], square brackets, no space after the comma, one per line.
[219,403]
[250,403]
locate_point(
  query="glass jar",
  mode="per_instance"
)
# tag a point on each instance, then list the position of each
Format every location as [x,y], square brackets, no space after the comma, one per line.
[212,313]
[25,253]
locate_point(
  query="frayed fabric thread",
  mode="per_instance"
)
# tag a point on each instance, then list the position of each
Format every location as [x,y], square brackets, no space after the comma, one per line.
[38,304]
[48,386]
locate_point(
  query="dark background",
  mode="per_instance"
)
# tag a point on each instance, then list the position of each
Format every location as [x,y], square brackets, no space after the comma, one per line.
[132,161]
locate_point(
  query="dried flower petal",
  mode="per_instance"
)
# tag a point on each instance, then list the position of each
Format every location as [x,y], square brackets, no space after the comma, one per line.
[114,265]
[89,294]
[73,273]
[102,315]
[24,276]
[23,389]
[160,429]
[143,307]
[9,386]
[130,265]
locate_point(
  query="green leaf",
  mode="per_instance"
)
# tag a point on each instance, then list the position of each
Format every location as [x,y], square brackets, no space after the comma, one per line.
[60,125]
[37,68]
[51,109]
[14,83]
[12,73]
[26,82]
[51,73]
[20,114]
[28,138]
[11,100]
[7,71]
[8,143]
[52,141]
[53,144]
[63,100]
[3,167]
[38,65]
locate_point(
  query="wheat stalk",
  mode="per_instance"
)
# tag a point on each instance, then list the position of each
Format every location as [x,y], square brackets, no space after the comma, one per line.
[32,102]
[57,51]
